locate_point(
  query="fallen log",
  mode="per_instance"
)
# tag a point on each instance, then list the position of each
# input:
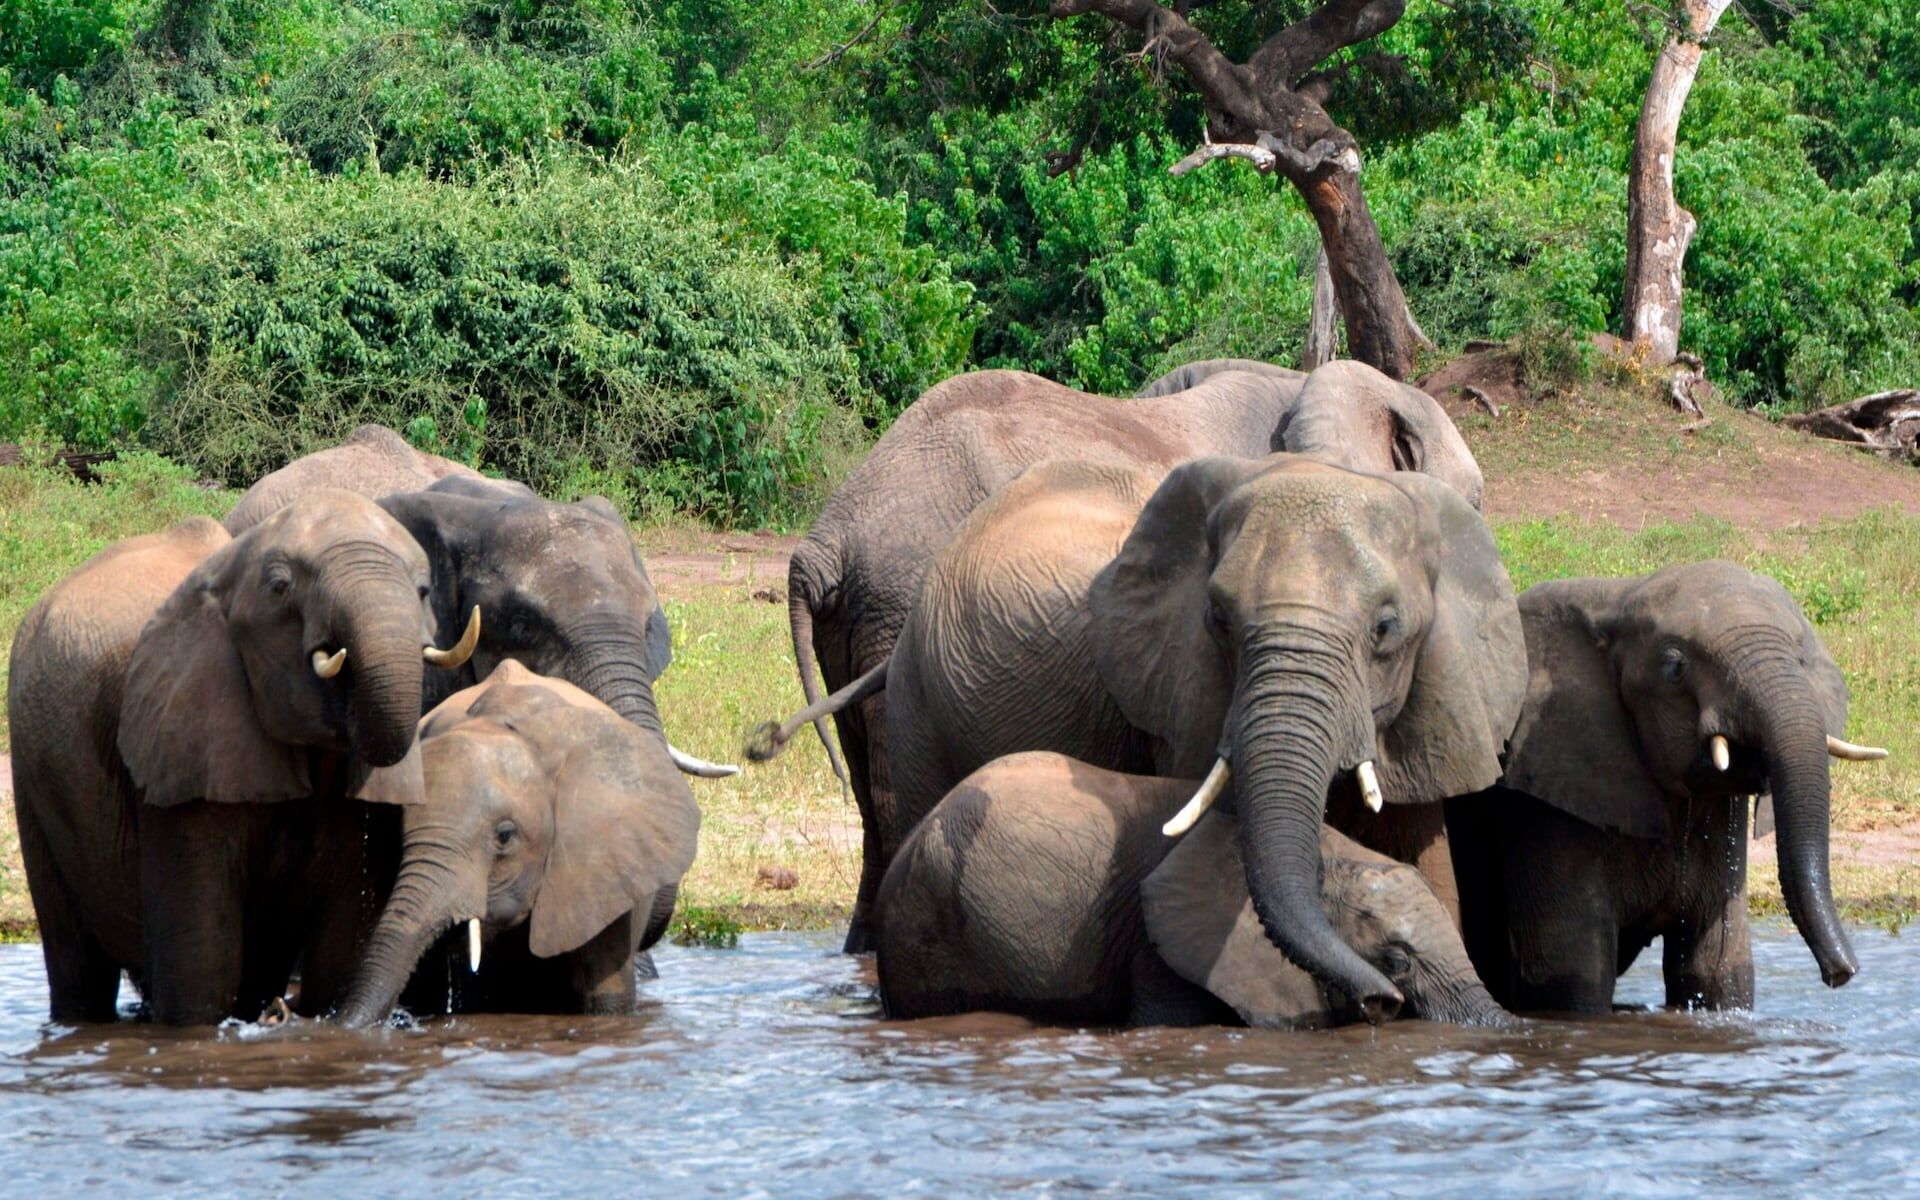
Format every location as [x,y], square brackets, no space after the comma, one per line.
[1885,423]
[80,462]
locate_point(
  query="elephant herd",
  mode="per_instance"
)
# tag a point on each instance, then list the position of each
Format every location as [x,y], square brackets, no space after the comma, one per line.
[1213,704]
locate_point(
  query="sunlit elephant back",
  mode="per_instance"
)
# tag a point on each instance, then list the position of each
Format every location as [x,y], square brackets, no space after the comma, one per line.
[373,461]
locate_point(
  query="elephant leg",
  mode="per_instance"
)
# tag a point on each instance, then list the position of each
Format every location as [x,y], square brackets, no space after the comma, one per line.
[1708,963]
[1476,842]
[1158,996]
[83,980]
[603,970]
[193,867]
[1563,926]
[862,729]
[351,858]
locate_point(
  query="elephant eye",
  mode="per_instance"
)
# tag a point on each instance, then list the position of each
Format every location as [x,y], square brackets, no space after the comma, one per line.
[1216,619]
[1673,665]
[1386,627]
[503,836]
[279,579]
[1395,961]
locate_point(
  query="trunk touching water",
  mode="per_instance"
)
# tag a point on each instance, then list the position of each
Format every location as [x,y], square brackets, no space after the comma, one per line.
[380,628]
[419,909]
[1795,744]
[1299,711]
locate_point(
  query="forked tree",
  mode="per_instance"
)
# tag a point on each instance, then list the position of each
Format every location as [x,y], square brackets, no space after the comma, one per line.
[1268,111]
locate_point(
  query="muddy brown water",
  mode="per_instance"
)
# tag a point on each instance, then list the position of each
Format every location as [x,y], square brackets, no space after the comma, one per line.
[764,1071]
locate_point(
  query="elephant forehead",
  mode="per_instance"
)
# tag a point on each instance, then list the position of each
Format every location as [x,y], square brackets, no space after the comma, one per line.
[477,756]
[329,516]
[1699,600]
[1294,510]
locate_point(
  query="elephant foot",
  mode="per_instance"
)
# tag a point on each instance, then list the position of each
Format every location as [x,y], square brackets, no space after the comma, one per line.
[860,938]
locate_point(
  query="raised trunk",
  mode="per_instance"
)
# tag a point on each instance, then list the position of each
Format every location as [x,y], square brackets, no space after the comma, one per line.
[1797,770]
[1298,711]
[380,626]
[1658,229]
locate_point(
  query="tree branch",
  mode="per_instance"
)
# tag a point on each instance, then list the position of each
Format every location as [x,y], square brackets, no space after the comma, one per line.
[1168,35]
[839,52]
[1319,35]
[1259,156]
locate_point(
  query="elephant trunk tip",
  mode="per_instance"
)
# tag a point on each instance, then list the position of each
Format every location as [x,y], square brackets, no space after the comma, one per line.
[1381,1007]
[1839,968]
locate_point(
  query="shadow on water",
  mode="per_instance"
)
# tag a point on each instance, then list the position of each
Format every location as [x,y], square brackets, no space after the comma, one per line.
[766,1070]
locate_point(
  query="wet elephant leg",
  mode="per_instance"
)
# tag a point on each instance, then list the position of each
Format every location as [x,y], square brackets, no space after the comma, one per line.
[1563,920]
[194,860]
[603,970]
[83,980]
[1157,996]
[1707,959]
[862,737]
[347,862]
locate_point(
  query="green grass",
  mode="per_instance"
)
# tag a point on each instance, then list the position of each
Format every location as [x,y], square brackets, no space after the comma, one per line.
[733,666]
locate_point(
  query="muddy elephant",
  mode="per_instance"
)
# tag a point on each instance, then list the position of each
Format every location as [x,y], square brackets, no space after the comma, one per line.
[855,575]
[373,461]
[550,831]
[562,587]
[1657,706]
[1336,637]
[1045,887]
[192,716]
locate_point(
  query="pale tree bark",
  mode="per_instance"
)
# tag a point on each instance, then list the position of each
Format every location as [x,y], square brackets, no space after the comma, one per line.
[1268,111]
[1321,345]
[1658,229]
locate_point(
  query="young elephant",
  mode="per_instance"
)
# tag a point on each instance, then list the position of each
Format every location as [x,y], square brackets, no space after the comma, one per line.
[556,831]
[194,715]
[1656,707]
[1045,887]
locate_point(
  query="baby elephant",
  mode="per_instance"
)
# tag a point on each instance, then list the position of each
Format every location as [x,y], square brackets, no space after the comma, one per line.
[554,831]
[1045,887]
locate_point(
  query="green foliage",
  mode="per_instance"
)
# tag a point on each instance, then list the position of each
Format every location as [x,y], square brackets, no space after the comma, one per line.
[708,927]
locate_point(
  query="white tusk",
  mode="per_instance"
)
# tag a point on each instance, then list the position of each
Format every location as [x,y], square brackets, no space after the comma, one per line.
[1369,785]
[456,657]
[1722,756]
[1853,753]
[1210,789]
[325,666]
[473,944]
[690,765]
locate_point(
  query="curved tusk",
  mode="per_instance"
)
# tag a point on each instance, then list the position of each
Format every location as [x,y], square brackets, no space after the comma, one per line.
[691,765]
[326,667]
[473,944]
[1853,753]
[454,659]
[1210,789]
[1722,755]
[1369,786]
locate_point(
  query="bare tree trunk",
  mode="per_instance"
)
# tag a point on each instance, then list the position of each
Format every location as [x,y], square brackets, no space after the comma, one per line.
[1320,325]
[1658,229]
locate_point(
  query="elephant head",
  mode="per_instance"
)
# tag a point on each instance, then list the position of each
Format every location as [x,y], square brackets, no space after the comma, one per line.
[541,805]
[561,587]
[1200,921]
[304,633]
[1354,415]
[1311,627]
[1701,681]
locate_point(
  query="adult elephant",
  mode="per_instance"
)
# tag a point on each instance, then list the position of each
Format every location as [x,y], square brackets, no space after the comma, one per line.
[550,827]
[1332,635]
[563,589]
[854,577]
[373,461]
[1657,706]
[192,715]
[1046,887]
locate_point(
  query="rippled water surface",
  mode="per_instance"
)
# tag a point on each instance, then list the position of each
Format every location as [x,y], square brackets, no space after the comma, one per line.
[765,1071]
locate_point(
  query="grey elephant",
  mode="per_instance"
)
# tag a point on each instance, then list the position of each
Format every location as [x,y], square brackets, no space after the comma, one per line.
[1657,706]
[192,716]
[372,461]
[563,589]
[1332,641]
[854,577]
[551,832]
[1045,887]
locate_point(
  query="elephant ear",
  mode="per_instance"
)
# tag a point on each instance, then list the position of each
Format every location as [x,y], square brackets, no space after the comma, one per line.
[1574,747]
[1200,920]
[1148,609]
[625,826]
[187,725]
[1471,674]
[402,783]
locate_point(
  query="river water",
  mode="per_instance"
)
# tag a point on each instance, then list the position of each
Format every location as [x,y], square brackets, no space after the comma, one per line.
[764,1071]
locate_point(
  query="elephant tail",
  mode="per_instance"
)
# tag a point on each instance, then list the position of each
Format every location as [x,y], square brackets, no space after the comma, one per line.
[800,620]
[767,739]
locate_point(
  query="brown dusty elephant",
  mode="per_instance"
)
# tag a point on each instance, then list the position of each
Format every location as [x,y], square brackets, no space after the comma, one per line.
[1657,706]
[551,830]
[1045,887]
[562,587]
[187,755]
[1330,634]
[856,574]
[373,461]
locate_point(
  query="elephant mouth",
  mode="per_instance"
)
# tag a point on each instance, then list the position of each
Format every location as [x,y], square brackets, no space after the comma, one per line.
[1745,773]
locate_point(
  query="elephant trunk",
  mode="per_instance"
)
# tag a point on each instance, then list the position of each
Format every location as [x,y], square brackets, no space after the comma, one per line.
[381,632]
[607,658]
[1794,740]
[425,901]
[1299,708]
